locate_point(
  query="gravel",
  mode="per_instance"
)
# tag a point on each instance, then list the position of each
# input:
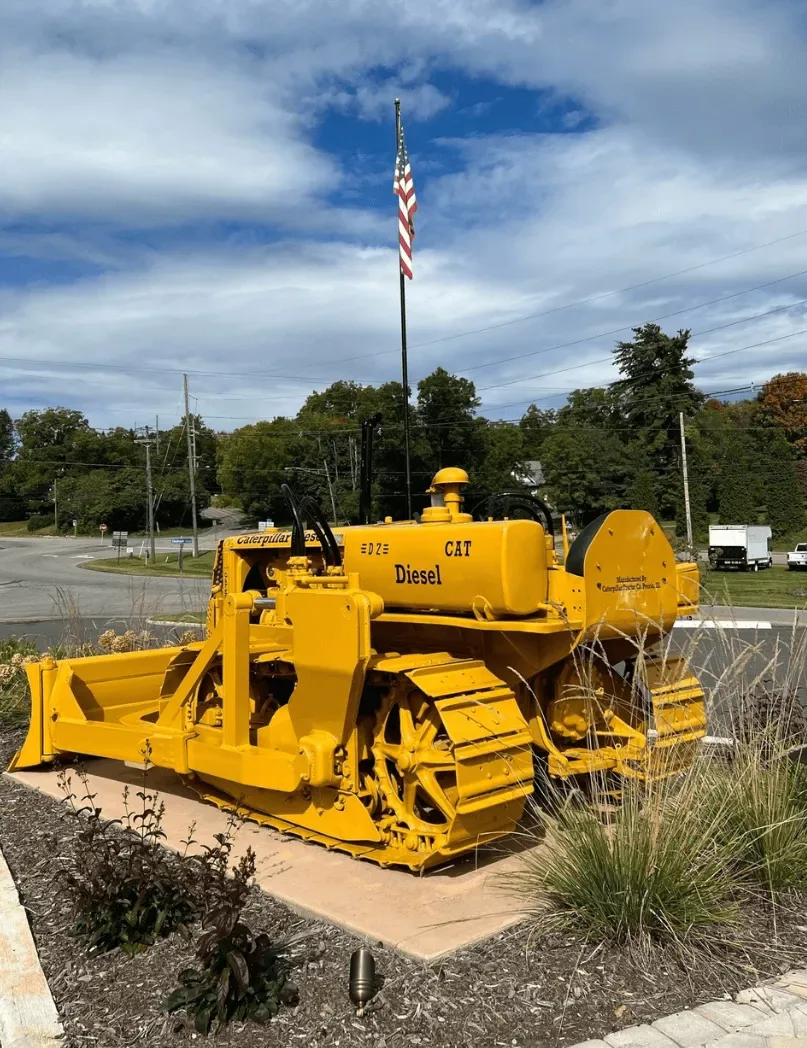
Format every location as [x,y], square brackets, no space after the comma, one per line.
[518,989]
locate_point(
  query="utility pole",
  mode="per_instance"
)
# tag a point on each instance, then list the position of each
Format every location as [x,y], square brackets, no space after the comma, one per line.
[146,442]
[55,508]
[686,480]
[330,489]
[191,468]
[157,432]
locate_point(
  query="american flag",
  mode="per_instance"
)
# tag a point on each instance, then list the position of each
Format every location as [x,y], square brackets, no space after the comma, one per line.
[404,188]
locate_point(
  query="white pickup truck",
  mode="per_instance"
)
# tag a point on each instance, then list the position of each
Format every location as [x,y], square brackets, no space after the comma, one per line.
[797,560]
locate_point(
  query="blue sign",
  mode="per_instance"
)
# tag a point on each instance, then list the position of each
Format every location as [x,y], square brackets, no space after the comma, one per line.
[181,542]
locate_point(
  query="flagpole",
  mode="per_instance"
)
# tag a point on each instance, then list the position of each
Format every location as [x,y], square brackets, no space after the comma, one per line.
[404,362]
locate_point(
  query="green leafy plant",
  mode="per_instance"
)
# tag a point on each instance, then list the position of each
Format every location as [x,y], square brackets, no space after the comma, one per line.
[127,889]
[15,654]
[240,974]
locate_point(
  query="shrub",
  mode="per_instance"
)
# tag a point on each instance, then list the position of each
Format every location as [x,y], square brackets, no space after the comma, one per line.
[114,643]
[39,521]
[240,975]
[127,889]
[15,654]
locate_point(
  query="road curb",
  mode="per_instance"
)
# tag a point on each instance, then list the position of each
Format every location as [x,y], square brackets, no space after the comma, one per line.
[28,1016]
[175,622]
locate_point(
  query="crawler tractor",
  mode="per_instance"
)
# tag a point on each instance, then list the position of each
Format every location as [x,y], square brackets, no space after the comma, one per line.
[388,689]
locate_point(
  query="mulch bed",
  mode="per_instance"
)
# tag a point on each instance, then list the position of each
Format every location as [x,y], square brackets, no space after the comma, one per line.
[517,989]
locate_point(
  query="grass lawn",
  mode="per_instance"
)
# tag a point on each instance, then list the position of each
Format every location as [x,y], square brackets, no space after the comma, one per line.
[166,564]
[19,529]
[775,587]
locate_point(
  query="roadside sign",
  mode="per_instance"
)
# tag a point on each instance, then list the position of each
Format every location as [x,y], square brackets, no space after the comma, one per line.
[75,523]
[264,524]
[120,539]
[181,542]
[102,528]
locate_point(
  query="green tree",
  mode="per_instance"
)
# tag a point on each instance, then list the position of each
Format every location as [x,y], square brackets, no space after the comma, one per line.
[7,439]
[115,497]
[784,501]
[735,490]
[656,385]
[255,462]
[587,471]
[536,425]
[446,417]
[171,454]
[10,503]
[504,460]
[642,491]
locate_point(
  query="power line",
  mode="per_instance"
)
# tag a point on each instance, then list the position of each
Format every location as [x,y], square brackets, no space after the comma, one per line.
[420,345]
[653,320]
[696,334]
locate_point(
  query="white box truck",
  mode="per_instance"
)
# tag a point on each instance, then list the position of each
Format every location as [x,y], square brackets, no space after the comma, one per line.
[744,547]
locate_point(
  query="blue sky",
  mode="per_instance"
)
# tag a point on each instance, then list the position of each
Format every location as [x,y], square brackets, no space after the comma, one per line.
[206,184]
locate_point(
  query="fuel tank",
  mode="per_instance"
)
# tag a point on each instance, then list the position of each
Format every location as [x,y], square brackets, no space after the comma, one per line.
[493,568]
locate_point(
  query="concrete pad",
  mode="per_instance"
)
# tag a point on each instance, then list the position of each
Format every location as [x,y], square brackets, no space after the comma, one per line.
[690,1029]
[425,917]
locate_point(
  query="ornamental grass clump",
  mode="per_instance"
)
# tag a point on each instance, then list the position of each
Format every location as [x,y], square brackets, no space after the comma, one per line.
[653,873]
[764,818]
[761,790]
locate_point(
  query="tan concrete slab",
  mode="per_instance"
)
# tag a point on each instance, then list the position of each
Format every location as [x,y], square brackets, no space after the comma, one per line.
[425,916]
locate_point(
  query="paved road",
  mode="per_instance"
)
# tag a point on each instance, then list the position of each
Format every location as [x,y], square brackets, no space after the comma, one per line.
[761,654]
[43,579]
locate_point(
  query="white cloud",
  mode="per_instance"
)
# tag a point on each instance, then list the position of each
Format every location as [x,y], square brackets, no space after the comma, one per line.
[160,113]
[156,139]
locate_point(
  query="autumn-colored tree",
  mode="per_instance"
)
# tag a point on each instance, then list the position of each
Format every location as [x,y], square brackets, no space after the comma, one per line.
[784,404]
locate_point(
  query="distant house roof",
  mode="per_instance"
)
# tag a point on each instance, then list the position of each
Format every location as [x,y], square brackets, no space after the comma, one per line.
[532,475]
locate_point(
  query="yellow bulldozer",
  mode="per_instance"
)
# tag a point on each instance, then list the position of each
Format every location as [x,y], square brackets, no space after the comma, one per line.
[389,689]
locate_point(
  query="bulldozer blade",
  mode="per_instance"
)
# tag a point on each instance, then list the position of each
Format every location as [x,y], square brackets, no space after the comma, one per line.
[100,705]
